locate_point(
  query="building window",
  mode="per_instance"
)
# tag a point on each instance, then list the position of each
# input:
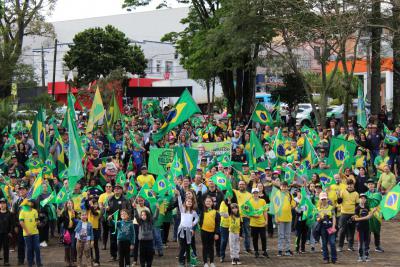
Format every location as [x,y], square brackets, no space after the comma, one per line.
[158,66]
[150,65]
[168,66]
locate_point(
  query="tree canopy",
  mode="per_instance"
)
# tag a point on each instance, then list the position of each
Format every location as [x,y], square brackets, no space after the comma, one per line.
[96,52]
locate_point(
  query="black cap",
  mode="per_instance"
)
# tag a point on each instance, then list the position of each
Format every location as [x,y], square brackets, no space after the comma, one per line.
[143,167]
[23,186]
[370,181]
[118,185]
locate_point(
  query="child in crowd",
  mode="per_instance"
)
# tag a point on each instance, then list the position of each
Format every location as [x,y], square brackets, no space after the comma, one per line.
[234,233]
[146,221]
[94,216]
[185,232]
[84,239]
[126,239]
[209,225]
[361,217]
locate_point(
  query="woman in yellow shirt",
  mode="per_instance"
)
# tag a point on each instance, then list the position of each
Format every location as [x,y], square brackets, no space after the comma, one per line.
[258,223]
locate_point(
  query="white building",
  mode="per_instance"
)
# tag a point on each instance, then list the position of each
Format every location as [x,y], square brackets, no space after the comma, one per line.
[143,28]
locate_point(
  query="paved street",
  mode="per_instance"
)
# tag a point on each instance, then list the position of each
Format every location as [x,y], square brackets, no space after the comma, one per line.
[53,255]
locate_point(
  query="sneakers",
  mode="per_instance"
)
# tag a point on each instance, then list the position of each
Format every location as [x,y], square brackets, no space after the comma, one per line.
[256,254]
[360,259]
[248,251]
[280,253]
[212,264]
[340,249]
[206,265]
[326,261]
[288,253]
[160,253]
[367,259]
[43,244]
[96,264]
[238,262]
[233,262]
[222,259]
[351,249]
[265,255]
[379,249]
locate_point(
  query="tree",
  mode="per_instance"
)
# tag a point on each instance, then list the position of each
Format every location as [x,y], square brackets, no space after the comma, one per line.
[292,93]
[376,32]
[395,21]
[19,19]
[24,76]
[96,52]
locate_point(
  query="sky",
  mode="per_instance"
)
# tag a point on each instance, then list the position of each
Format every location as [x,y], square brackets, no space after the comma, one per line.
[79,9]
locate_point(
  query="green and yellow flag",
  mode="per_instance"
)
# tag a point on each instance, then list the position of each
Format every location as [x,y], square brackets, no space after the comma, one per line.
[132,189]
[176,166]
[96,111]
[161,185]
[248,209]
[220,180]
[361,112]
[390,204]
[62,196]
[190,157]
[261,115]
[184,108]
[276,201]
[39,133]
[51,199]
[309,157]
[311,134]
[114,112]
[256,150]
[341,153]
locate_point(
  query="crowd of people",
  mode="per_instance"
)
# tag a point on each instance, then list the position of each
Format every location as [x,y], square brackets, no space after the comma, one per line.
[99,213]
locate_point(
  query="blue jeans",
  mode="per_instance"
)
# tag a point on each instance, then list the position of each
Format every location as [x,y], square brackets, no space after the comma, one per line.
[328,239]
[157,241]
[33,249]
[224,234]
[246,232]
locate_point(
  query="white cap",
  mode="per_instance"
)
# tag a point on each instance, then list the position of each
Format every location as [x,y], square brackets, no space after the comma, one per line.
[254,190]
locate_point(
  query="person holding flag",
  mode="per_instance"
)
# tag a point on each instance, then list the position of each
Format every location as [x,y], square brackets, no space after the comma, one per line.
[374,199]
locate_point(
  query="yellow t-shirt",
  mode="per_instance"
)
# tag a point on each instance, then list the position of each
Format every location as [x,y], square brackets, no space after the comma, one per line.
[241,198]
[94,219]
[258,221]
[325,211]
[332,196]
[234,224]
[146,179]
[287,205]
[223,208]
[387,180]
[209,221]
[103,197]
[71,219]
[30,219]
[245,178]
[349,201]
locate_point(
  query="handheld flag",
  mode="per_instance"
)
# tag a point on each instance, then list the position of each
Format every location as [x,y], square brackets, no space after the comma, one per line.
[96,111]
[341,152]
[184,108]
[132,189]
[311,134]
[190,157]
[39,134]
[120,179]
[256,150]
[276,202]
[308,154]
[62,196]
[114,112]
[390,204]
[115,219]
[261,115]
[161,185]
[146,193]
[75,154]
[49,200]
[37,187]
[279,148]
[248,209]
[361,113]
[176,166]
[220,180]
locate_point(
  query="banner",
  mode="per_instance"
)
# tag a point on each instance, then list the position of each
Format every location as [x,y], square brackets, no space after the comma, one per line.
[218,148]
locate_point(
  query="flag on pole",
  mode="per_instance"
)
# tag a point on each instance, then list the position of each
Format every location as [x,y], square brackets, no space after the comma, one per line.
[308,153]
[190,157]
[114,112]
[256,150]
[361,112]
[62,196]
[220,180]
[161,185]
[120,179]
[39,134]
[184,108]
[37,187]
[115,216]
[341,152]
[176,166]
[261,115]
[96,111]
[147,194]
[390,204]
[51,199]
[132,189]
[312,135]
[279,148]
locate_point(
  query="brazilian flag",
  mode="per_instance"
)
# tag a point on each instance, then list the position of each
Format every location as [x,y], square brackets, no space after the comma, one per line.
[341,152]
[390,204]
[308,154]
[279,147]
[184,108]
[39,134]
[256,150]
[97,111]
[220,180]
[276,204]
[261,115]
[161,185]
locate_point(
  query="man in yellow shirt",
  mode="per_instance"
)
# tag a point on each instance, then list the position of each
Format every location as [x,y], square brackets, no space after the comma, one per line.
[242,196]
[387,180]
[145,178]
[284,221]
[29,220]
[348,199]
[258,223]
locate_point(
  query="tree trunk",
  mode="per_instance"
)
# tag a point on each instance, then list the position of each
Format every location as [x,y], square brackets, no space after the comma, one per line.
[226,78]
[396,61]
[213,92]
[376,58]
[240,78]
[346,106]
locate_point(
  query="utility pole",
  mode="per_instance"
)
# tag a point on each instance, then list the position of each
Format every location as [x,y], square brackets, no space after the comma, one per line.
[54,68]
[43,66]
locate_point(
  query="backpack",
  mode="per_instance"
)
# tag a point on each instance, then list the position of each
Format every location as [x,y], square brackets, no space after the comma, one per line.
[66,238]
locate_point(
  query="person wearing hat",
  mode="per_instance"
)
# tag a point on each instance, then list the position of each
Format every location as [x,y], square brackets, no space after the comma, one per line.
[361,217]
[16,209]
[269,154]
[258,223]
[239,155]
[374,199]
[145,178]
[327,220]
[29,220]
[6,228]
[115,202]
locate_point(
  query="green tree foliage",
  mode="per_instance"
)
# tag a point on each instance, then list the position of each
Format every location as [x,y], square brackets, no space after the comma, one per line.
[97,52]
[18,20]
[292,93]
